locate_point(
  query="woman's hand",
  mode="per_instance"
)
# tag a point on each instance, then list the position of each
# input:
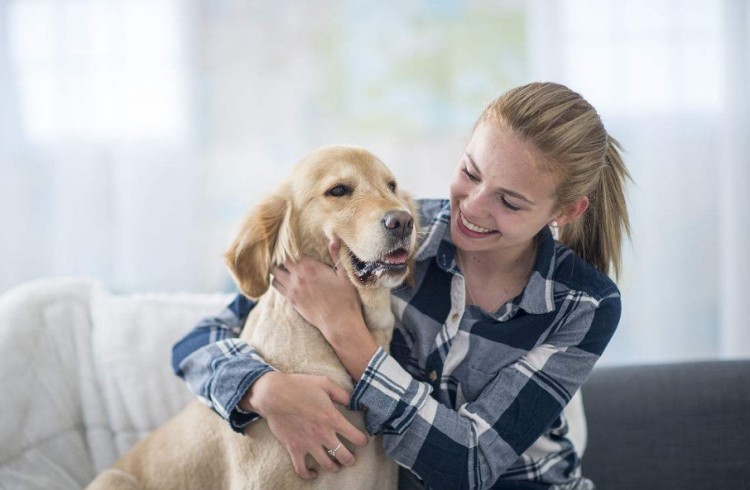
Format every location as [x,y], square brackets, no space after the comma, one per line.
[300,412]
[326,298]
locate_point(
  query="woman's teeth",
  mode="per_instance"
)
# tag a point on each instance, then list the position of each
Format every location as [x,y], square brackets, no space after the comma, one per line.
[468,224]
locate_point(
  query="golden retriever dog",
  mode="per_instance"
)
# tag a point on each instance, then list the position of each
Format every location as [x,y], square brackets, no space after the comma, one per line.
[335,192]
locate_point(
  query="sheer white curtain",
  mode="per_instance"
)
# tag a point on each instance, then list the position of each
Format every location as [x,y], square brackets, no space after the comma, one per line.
[670,80]
[97,171]
[135,133]
[733,184]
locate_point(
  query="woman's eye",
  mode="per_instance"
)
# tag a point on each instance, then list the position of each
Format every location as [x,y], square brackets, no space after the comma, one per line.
[471,176]
[392,186]
[339,191]
[509,205]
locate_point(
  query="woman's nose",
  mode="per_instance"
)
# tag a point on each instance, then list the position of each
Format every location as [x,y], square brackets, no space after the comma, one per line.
[475,200]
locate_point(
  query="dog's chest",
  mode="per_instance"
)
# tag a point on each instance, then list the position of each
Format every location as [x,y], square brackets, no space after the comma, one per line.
[288,343]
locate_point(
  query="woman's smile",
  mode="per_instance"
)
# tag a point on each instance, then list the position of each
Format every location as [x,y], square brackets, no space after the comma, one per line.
[472,230]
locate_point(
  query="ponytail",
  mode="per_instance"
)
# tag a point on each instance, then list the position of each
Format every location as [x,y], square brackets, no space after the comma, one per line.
[597,236]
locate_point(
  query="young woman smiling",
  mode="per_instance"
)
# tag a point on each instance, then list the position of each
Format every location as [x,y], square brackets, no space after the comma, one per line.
[501,327]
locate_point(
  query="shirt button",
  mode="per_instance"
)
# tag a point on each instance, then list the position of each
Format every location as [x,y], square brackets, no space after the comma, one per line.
[433,376]
[454,317]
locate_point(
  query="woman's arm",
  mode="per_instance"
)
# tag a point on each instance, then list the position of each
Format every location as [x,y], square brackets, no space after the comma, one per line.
[473,446]
[231,378]
[217,366]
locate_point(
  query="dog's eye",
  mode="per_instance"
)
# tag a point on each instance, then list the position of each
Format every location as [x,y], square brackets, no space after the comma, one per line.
[392,186]
[339,190]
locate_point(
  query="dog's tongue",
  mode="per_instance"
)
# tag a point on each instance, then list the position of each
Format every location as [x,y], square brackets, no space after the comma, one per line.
[397,257]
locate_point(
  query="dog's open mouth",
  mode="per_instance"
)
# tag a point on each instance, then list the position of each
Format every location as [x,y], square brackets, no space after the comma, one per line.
[391,263]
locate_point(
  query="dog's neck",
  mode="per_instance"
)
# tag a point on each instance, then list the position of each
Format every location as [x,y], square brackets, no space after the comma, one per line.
[376,307]
[275,329]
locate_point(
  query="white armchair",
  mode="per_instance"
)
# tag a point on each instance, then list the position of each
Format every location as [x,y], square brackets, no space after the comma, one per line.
[85,374]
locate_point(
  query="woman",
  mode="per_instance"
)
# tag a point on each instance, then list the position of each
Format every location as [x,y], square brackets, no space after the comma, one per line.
[502,325]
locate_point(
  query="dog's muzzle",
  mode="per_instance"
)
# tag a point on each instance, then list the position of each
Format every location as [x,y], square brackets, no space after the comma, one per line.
[392,263]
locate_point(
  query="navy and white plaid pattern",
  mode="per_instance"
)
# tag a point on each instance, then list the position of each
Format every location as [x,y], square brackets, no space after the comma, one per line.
[465,396]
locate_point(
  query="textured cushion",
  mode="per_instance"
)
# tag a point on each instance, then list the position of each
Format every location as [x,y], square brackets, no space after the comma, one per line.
[85,374]
[131,343]
[45,369]
[669,426]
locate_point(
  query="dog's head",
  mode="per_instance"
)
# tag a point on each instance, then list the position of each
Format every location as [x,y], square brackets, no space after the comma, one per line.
[335,192]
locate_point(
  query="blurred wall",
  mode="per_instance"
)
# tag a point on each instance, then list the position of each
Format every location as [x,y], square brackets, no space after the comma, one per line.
[134,134]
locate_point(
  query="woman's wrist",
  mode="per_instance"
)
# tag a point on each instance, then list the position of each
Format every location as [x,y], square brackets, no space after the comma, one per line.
[252,401]
[354,348]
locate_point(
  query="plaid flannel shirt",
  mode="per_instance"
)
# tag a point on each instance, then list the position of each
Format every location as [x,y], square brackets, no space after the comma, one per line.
[466,398]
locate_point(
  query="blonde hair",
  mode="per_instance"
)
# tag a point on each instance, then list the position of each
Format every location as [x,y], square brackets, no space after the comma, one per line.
[570,135]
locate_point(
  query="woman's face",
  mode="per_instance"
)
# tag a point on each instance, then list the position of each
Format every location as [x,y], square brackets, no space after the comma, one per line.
[500,198]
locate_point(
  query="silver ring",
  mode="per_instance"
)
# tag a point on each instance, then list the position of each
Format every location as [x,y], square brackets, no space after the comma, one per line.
[332,452]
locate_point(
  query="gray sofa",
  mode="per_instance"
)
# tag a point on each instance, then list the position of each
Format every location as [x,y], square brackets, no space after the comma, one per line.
[669,426]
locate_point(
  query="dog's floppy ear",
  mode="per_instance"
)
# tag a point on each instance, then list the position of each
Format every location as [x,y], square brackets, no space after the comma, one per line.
[412,207]
[266,237]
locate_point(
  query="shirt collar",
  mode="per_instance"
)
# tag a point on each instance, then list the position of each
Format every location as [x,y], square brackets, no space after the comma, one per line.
[538,295]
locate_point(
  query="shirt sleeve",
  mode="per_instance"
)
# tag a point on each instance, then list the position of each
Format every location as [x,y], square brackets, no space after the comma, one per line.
[219,367]
[473,446]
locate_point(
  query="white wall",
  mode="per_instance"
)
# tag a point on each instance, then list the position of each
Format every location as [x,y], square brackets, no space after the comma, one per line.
[134,133]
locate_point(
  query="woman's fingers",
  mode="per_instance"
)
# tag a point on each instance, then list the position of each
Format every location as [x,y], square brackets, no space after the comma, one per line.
[336,392]
[320,454]
[300,467]
[279,287]
[280,272]
[301,413]
[343,456]
[343,426]
[333,250]
[349,432]
[280,279]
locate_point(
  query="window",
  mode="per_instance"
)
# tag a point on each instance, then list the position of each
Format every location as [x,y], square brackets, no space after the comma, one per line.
[96,70]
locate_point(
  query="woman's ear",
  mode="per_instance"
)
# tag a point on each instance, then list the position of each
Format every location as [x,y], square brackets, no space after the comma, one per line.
[573,211]
[266,237]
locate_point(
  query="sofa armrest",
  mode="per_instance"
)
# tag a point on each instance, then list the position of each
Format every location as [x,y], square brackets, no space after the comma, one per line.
[85,374]
[681,425]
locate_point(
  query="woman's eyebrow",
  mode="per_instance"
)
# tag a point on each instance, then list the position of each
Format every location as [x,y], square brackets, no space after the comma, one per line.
[472,162]
[500,190]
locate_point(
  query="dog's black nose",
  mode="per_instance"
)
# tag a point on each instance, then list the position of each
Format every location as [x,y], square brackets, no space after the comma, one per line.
[398,223]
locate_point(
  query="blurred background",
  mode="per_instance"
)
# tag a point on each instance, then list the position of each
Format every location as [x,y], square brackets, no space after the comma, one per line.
[134,134]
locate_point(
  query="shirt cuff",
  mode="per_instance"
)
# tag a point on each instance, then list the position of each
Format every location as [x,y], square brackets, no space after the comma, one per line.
[390,395]
[238,419]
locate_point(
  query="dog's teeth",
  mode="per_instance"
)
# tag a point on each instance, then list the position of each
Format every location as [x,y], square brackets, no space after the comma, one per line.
[396,257]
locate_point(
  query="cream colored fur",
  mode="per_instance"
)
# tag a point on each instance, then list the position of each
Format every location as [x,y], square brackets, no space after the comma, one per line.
[197,449]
